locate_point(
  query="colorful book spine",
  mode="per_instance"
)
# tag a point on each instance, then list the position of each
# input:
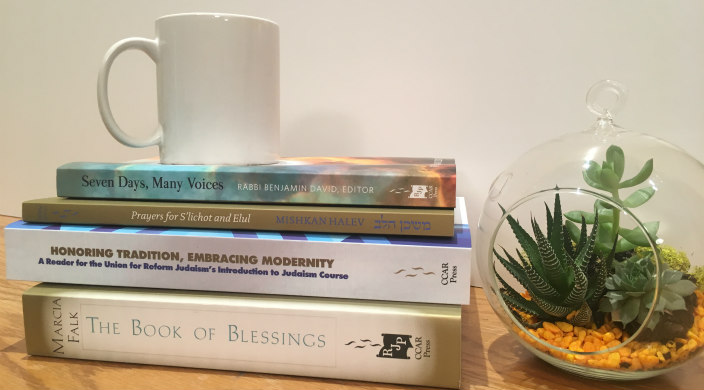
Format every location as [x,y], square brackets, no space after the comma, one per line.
[394,268]
[394,182]
[413,344]
[326,219]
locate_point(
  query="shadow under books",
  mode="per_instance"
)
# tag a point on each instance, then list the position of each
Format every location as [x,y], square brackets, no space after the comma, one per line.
[18,347]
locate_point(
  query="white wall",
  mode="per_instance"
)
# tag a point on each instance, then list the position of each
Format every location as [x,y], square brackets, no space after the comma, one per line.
[480,81]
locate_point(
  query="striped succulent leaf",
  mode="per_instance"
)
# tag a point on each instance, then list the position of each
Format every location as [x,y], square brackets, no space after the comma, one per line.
[516,301]
[555,269]
[560,275]
[586,245]
[552,309]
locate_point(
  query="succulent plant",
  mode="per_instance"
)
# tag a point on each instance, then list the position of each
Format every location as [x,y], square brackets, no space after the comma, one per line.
[608,177]
[631,291]
[675,259]
[565,280]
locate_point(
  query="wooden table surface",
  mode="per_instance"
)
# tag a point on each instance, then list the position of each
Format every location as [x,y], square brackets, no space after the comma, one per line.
[491,359]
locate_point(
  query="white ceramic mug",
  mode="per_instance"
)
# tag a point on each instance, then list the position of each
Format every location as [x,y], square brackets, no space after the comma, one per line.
[217,89]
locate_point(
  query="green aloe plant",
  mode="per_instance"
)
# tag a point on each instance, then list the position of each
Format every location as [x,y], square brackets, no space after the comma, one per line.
[609,177]
[562,278]
[631,291]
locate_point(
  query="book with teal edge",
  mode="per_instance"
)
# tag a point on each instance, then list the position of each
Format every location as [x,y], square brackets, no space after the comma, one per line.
[412,182]
[375,267]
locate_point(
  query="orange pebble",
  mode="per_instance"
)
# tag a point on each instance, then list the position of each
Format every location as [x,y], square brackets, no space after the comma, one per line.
[649,361]
[614,360]
[589,347]
[575,346]
[636,364]
[566,341]
[564,326]
[581,335]
[551,327]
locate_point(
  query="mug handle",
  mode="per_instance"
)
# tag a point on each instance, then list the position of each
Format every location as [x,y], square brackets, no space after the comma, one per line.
[151,48]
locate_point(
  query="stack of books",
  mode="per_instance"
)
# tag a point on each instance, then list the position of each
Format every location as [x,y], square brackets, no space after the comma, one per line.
[349,268]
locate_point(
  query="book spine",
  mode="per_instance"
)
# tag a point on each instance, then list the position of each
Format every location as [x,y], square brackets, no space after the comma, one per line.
[328,219]
[363,267]
[380,342]
[394,189]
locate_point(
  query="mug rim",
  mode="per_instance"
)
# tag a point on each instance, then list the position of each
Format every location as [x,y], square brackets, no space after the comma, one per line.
[215,15]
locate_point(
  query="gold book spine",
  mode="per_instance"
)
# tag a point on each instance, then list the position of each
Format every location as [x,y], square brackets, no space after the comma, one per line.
[238,216]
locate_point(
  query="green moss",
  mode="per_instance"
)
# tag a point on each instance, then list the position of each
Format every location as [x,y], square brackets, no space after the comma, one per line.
[698,273]
[677,260]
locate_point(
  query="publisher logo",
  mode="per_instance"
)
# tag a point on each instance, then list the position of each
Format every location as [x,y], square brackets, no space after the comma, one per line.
[395,346]
[418,192]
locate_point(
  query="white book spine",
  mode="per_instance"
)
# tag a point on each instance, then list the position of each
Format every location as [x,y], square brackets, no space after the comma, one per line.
[320,265]
[398,342]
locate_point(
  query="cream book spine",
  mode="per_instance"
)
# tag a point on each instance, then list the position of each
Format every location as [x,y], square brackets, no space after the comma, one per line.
[395,342]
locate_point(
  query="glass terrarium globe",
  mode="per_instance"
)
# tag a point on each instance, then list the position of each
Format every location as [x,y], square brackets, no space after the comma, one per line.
[589,248]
